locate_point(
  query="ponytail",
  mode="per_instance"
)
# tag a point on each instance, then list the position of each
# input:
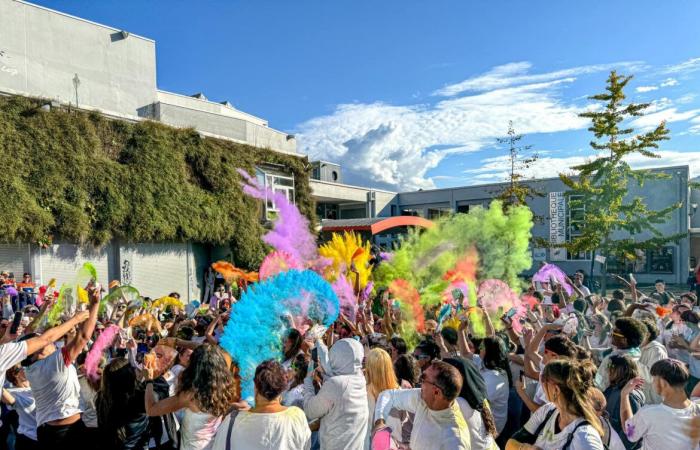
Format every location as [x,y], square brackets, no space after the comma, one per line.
[488,419]
[575,381]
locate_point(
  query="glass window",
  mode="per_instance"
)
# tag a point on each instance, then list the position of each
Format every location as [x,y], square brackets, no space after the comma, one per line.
[661,260]
[464,209]
[576,212]
[436,213]
[278,184]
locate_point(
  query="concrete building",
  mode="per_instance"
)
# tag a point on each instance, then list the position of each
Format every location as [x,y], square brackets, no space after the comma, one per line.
[69,60]
[72,61]
[556,221]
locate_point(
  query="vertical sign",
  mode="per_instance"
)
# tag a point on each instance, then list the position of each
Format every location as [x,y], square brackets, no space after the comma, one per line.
[557,225]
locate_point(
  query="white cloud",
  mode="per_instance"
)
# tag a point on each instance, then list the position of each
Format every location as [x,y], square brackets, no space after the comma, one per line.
[669,115]
[496,169]
[398,145]
[646,88]
[690,65]
[513,74]
[695,127]
[668,82]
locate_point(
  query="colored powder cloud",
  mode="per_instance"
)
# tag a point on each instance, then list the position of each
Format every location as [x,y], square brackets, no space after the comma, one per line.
[259,320]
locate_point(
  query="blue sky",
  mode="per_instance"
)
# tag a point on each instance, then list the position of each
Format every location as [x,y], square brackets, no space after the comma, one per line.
[412,94]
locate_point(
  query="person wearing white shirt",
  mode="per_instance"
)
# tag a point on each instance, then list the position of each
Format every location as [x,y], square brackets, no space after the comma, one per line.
[56,388]
[438,423]
[269,425]
[569,420]
[341,403]
[652,351]
[21,400]
[664,425]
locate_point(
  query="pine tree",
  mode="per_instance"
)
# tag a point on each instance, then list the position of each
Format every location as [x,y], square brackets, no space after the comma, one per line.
[601,185]
[515,192]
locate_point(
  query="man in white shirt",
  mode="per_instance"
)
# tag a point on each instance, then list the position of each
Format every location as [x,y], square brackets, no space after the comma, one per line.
[665,425]
[438,423]
[56,389]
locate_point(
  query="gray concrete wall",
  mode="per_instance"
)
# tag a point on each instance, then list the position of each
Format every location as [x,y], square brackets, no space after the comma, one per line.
[43,50]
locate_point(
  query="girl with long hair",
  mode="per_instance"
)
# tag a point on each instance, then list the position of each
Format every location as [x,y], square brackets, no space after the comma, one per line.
[206,392]
[569,420]
[121,416]
[380,375]
[495,369]
[621,370]
[474,405]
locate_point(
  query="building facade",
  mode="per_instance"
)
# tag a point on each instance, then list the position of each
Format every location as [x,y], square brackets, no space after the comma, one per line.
[555,221]
[70,61]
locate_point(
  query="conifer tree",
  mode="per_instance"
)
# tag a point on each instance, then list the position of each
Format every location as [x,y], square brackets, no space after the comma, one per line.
[601,184]
[516,192]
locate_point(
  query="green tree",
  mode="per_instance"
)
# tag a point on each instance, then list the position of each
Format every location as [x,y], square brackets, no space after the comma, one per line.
[516,192]
[615,225]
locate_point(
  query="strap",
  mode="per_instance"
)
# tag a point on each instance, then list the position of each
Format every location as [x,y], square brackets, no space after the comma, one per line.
[541,426]
[583,423]
[234,414]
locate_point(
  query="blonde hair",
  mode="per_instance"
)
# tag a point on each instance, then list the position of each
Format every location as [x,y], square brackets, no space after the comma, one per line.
[575,381]
[380,373]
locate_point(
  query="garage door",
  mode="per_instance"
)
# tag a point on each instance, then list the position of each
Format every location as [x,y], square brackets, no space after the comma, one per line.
[14,258]
[62,261]
[156,269]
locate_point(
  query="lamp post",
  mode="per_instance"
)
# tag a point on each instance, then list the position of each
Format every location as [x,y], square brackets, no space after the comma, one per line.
[76,84]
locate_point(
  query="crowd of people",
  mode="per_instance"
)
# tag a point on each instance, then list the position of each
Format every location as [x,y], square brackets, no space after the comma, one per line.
[577,371]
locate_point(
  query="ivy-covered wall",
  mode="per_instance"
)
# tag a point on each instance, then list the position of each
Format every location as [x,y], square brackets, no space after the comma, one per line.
[90,179]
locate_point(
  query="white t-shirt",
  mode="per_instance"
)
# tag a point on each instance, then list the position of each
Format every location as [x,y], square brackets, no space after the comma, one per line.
[661,426]
[497,391]
[585,437]
[26,411]
[55,386]
[285,430]
[480,439]
[11,354]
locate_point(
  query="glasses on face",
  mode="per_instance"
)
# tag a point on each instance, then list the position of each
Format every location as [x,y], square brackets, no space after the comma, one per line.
[618,334]
[420,356]
[424,380]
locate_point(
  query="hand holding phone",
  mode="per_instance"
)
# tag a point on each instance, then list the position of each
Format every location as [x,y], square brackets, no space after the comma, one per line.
[15,323]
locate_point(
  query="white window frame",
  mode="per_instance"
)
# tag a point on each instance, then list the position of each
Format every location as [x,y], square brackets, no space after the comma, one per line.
[270,182]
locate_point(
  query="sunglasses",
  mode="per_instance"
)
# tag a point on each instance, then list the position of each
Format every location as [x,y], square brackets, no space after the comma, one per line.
[417,356]
[618,334]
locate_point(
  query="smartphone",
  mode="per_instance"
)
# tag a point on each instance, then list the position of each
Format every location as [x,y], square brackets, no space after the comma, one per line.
[511,312]
[15,322]
[142,348]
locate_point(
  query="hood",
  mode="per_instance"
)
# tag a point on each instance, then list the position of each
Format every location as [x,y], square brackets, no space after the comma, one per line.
[345,357]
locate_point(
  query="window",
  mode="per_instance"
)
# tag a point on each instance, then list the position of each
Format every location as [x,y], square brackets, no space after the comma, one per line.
[436,213]
[279,184]
[661,260]
[464,209]
[576,215]
[412,212]
[393,210]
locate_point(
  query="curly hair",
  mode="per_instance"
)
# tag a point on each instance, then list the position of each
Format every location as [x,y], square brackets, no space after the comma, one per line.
[209,380]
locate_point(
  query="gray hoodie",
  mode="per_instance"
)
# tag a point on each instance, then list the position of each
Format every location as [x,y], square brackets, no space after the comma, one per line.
[341,404]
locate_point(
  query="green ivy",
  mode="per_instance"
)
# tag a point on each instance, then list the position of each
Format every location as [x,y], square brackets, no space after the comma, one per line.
[90,179]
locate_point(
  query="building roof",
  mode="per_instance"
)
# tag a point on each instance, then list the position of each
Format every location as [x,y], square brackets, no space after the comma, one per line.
[375,225]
